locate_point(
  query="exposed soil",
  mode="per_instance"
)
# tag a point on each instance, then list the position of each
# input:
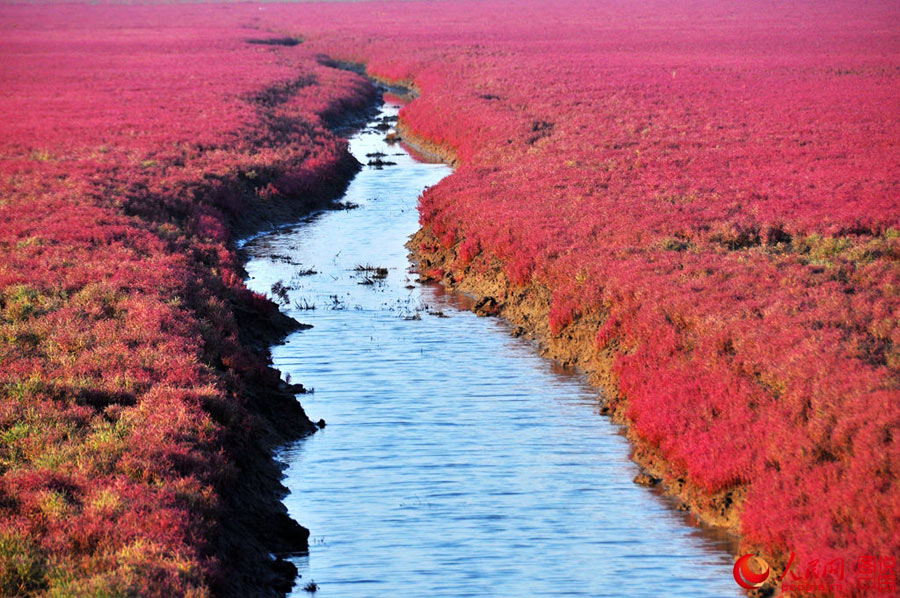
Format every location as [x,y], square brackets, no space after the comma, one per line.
[255,523]
[425,147]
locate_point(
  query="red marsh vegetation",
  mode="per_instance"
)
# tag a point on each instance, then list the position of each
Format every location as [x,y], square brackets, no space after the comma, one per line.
[134,415]
[715,182]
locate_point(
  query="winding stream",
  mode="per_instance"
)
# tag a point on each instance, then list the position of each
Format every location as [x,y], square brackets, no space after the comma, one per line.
[455,462]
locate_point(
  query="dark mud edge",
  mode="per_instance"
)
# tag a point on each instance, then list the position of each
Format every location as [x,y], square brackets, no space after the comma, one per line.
[256,535]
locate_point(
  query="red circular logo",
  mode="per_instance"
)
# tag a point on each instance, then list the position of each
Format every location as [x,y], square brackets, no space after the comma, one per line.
[745,577]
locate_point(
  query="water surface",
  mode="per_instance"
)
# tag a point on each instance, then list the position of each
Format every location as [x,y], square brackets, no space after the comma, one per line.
[455,462]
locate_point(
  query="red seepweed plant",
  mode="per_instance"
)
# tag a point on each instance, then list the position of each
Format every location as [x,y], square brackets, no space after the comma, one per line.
[130,411]
[718,180]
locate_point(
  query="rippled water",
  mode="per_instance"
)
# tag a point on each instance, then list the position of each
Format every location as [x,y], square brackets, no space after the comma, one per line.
[456,462]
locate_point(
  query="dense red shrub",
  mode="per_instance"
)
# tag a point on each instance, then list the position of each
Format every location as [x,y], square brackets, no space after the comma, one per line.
[130,140]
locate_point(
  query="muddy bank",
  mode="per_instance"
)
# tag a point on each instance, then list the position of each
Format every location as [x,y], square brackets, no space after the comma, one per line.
[259,214]
[527,308]
[257,534]
[424,146]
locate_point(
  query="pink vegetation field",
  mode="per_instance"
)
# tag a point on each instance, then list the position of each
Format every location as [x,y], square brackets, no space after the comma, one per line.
[720,181]
[132,409]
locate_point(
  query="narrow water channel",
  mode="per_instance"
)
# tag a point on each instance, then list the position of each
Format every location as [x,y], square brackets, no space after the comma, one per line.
[455,461]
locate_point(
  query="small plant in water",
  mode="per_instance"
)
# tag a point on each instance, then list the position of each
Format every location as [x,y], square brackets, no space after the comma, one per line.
[304,305]
[372,273]
[281,292]
[336,303]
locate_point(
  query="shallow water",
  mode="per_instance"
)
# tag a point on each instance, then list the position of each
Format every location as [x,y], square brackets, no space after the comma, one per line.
[455,462]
